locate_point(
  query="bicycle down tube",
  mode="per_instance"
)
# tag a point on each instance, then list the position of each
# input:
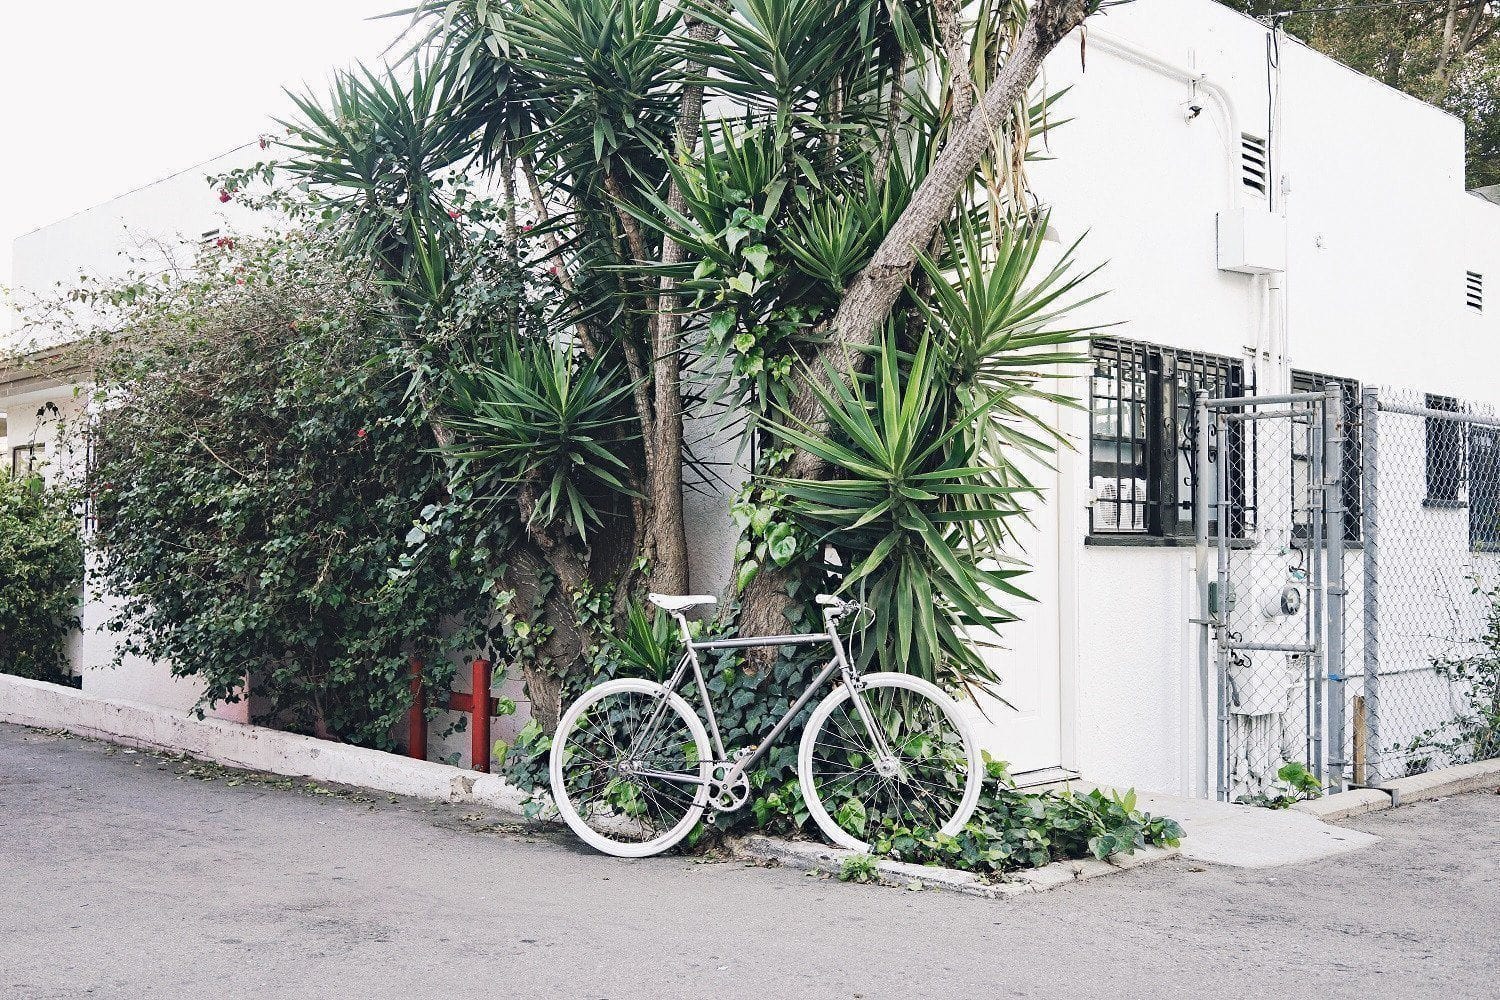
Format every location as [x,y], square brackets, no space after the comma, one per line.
[839,663]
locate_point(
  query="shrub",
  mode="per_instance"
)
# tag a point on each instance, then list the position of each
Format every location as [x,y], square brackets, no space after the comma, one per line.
[1473,734]
[41,572]
[259,473]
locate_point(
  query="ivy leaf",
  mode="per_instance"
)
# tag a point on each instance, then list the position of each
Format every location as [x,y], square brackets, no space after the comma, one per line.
[721,324]
[782,544]
[759,257]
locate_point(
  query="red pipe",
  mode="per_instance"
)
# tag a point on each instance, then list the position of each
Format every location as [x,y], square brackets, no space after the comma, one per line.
[416,716]
[479,746]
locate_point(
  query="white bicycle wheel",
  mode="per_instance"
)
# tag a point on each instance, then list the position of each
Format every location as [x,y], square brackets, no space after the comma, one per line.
[931,780]
[631,805]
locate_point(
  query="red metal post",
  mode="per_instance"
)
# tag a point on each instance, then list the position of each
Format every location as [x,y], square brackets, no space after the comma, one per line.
[479,747]
[416,716]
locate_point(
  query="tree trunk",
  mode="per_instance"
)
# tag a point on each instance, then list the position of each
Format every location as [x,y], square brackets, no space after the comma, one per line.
[869,300]
[561,653]
[872,296]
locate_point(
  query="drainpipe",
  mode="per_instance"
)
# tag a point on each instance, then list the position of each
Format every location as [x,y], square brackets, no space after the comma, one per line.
[1100,40]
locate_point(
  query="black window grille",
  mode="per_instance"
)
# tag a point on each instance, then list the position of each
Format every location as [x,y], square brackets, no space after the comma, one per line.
[1447,479]
[1141,441]
[1484,488]
[1350,476]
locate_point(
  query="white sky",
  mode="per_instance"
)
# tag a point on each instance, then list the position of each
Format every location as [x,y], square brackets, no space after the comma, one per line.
[101,96]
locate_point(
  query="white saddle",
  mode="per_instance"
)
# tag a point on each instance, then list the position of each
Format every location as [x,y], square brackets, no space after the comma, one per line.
[669,603]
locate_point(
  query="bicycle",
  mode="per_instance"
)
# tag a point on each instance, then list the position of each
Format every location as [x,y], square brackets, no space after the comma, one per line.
[633,770]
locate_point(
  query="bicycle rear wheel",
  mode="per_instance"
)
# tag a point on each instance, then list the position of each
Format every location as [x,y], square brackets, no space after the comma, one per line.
[930,780]
[621,789]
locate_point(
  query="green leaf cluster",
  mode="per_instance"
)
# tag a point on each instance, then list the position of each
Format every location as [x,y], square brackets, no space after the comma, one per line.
[41,576]
[260,473]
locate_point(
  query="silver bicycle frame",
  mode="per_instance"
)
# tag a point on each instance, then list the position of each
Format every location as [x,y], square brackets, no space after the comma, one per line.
[839,663]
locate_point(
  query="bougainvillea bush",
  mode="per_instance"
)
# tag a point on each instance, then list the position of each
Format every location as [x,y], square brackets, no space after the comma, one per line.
[41,571]
[258,474]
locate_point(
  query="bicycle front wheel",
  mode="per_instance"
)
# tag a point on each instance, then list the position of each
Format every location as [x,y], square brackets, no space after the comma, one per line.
[923,774]
[630,768]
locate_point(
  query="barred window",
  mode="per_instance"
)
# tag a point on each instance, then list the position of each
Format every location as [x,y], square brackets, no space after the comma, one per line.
[1447,479]
[1350,475]
[1141,441]
[1484,488]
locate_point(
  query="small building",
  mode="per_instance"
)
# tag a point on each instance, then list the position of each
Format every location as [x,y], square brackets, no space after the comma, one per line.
[1273,223]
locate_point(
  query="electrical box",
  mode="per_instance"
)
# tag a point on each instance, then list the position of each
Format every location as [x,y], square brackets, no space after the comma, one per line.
[1252,241]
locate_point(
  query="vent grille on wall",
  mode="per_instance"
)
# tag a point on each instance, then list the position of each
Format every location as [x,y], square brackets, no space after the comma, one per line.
[1474,290]
[1255,164]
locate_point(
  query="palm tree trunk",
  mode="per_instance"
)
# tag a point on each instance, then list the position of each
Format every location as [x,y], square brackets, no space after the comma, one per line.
[869,300]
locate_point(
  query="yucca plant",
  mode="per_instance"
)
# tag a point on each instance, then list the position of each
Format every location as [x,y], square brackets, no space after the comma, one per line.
[537,424]
[999,328]
[907,478]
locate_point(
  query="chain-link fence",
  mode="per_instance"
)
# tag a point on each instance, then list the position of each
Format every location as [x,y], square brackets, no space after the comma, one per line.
[1351,622]
[1424,631]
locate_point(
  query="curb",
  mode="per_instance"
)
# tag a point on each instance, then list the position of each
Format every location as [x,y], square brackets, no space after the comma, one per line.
[52,706]
[1454,780]
[805,855]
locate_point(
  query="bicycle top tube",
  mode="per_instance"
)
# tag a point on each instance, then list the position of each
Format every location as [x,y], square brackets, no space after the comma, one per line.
[810,639]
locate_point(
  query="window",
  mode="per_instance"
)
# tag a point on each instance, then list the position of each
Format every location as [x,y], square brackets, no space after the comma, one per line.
[1447,484]
[1141,440]
[1350,475]
[1474,291]
[1484,488]
[26,459]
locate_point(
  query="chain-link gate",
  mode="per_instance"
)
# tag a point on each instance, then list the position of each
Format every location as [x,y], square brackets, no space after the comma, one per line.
[1424,689]
[1269,519]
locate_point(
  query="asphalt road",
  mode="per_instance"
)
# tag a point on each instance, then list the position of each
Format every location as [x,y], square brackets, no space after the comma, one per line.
[127,875]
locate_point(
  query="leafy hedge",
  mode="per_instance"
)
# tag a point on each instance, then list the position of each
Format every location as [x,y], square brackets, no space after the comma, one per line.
[259,473]
[41,572]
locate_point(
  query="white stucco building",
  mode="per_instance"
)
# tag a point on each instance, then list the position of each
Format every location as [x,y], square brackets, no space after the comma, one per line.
[1270,219]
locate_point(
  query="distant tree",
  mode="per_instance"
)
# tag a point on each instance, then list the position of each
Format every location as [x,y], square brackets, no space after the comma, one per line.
[1445,52]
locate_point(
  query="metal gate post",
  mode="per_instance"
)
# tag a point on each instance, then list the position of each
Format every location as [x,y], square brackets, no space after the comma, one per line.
[1205,599]
[1317,625]
[1225,599]
[1333,519]
[1369,521]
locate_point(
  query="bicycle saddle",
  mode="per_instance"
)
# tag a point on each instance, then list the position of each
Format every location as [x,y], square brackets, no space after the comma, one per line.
[669,603]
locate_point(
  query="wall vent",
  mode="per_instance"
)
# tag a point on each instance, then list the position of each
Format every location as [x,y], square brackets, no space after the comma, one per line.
[1474,290]
[1255,164]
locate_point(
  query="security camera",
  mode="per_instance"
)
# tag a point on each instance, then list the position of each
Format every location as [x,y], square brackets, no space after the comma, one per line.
[1191,110]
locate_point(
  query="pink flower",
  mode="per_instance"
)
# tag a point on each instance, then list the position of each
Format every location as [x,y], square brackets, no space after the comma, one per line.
[225,196]
[361,433]
[454,213]
[526,228]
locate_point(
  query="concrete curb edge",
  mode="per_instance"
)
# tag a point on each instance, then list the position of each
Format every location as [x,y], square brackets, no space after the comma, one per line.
[1453,780]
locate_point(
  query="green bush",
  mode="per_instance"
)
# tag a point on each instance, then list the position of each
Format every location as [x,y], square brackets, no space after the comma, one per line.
[260,471]
[41,573]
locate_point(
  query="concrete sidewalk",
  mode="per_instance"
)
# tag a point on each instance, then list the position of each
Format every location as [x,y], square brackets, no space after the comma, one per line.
[129,874]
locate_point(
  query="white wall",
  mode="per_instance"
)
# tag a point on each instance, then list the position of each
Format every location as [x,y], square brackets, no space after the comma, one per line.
[1379,234]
